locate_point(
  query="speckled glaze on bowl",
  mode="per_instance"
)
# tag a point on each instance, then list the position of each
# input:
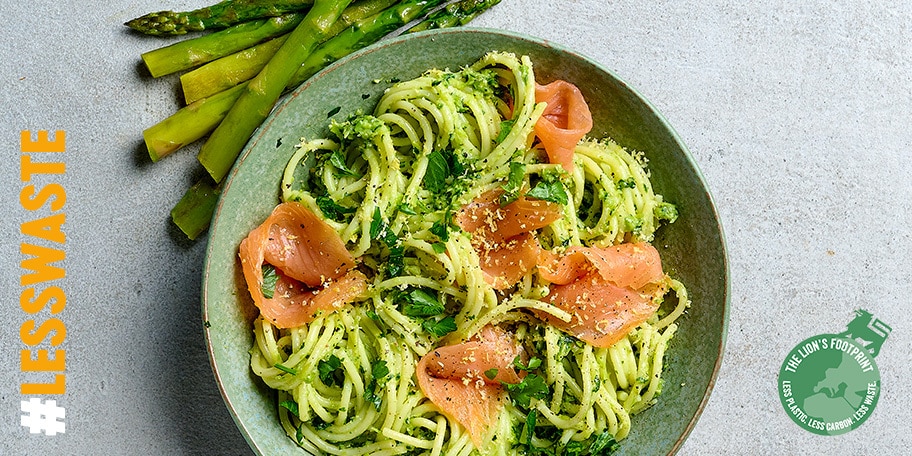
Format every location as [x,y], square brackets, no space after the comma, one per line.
[692,248]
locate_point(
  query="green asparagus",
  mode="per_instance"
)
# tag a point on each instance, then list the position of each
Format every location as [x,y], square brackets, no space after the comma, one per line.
[190,53]
[220,15]
[233,69]
[189,123]
[454,14]
[194,211]
[225,143]
[228,71]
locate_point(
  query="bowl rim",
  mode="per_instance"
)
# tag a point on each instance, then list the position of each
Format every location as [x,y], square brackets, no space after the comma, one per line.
[431,34]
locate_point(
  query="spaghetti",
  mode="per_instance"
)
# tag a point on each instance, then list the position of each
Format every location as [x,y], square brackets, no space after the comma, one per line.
[393,184]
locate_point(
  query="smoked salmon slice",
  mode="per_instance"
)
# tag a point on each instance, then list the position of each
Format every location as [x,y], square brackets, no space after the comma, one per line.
[604,289]
[313,267]
[463,380]
[505,264]
[564,122]
[302,245]
[603,313]
[486,217]
[501,234]
[626,265]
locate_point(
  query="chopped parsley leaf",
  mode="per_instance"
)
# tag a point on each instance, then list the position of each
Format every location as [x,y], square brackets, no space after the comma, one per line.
[291,406]
[333,210]
[440,227]
[330,371]
[338,160]
[396,262]
[441,327]
[299,433]
[530,387]
[377,224]
[270,279]
[505,127]
[371,396]
[379,372]
[491,373]
[379,369]
[514,183]
[549,190]
[604,445]
[534,363]
[530,428]
[437,172]
[406,209]
[420,303]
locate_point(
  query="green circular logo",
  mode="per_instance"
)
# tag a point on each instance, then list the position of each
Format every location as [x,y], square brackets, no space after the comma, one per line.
[829,384]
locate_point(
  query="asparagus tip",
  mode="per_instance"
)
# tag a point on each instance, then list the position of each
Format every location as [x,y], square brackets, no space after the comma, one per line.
[163,23]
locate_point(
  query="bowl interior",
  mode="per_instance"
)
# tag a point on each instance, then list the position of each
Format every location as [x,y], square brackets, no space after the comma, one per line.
[692,248]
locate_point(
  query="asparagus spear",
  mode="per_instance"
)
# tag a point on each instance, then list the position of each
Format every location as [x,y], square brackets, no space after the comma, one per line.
[220,15]
[230,70]
[454,14]
[189,123]
[194,211]
[189,53]
[225,143]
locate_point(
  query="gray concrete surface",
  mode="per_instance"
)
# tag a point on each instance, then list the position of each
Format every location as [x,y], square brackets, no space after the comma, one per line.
[797,112]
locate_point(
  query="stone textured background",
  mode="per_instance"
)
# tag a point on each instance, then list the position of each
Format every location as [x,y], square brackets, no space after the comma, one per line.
[798,115]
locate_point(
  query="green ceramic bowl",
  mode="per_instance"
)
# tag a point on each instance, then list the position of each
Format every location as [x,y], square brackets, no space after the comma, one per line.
[692,248]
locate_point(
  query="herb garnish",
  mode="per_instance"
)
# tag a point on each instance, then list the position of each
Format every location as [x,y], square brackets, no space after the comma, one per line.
[379,373]
[338,160]
[380,231]
[514,183]
[330,371]
[440,327]
[630,182]
[440,228]
[419,303]
[534,363]
[530,387]
[270,279]
[505,127]
[437,172]
[291,406]
[549,190]
[285,369]
[333,210]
